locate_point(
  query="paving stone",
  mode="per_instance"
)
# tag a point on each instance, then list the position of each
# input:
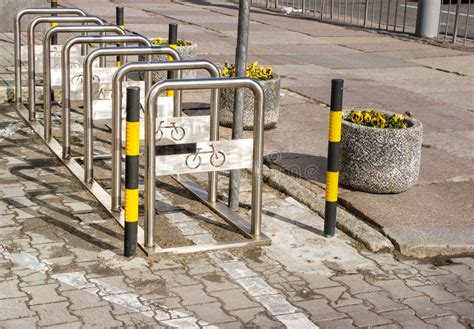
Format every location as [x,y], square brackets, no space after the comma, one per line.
[338,296]
[464,272]
[407,319]
[424,308]
[276,304]
[9,289]
[381,302]
[459,286]
[79,207]
[237,270]
[53,313]
[7,220]
[463,309]
[356,283]
[217,282]
[319,310]
[137,320]
[97,317]
[81,299]
[469,261]
[296,321]
[234,299]
[450,322]
[397,288]
[192,295]
[13,308]
[211,313]
[438,294]
[256,286]
[336,324]
[90,218]
[362,316]
[23,323]
[248,314]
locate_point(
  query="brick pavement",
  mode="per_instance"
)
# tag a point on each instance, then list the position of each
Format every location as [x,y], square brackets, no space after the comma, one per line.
[60,264]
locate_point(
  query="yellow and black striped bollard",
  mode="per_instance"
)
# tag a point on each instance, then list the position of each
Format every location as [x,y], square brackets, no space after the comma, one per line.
[334,142]
[173,43]
[120,22]
[54,39]
[132,150]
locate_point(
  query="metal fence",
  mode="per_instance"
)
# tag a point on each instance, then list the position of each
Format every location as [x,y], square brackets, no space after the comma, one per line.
[456,20]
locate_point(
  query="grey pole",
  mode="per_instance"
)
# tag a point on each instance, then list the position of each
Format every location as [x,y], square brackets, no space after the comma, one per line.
[427,18]
[31,52]
[257,163]
[237,122]
[117,119]
[47,66]
[17,38]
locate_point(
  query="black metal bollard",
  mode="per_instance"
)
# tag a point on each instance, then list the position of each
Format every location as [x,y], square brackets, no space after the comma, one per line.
[120,22]
[132,151]
[173,43]
[54,39]
[334,146]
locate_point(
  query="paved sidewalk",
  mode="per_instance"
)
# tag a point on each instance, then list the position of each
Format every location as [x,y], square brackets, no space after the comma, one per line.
[60,264]
[435,84]
[60,260]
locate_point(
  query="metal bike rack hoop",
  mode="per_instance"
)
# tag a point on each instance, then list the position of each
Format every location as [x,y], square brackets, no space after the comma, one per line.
[47,63]
[257,162]
[31,51]
[17,37]
[116,115]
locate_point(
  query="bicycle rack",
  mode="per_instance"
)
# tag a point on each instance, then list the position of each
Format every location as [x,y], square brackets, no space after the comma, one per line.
[31,52]
[47,63]
[211,156]
[17,37]
[180,165]
[116,117]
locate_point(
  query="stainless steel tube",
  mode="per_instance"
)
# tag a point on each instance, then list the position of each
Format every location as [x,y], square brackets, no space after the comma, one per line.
[31,52]
[257,167]
[116,114]
[17,37]
[47,65]
[87,79]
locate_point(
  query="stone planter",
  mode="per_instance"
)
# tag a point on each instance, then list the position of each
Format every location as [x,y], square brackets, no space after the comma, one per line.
[379,160]
[271,90]
[186,53]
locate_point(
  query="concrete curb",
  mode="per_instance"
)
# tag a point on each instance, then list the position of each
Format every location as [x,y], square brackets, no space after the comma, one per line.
[351,225]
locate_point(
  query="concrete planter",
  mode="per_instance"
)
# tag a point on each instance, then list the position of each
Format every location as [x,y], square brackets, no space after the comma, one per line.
[271,89]
[379,160]
[186,53]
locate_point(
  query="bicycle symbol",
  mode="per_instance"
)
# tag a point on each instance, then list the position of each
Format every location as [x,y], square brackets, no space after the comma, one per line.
[177,133]
[217,158]
[104,93]
[80,77]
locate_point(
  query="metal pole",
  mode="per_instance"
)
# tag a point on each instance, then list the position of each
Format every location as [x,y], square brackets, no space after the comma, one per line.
[257,166]
[334,141]
[17,39]
[238,119]
[31,53]
[54,5]
[456,20]
[47,70]
[116,113]
[427,18]
[132,153]
[173,43]
[467,22]
[366,12]
[119,21]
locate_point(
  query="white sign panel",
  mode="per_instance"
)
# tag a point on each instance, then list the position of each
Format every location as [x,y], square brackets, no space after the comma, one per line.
[182,130]
[209,156]
[55,56]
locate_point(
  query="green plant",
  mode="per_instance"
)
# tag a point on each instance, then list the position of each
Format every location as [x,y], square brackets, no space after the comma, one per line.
[253,71]
[373,118]
[164,42]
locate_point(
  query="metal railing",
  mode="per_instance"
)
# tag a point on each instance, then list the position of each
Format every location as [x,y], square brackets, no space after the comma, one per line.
[456,18]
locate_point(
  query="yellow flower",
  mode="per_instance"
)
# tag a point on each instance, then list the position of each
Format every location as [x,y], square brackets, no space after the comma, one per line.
[367,117]
[356,116]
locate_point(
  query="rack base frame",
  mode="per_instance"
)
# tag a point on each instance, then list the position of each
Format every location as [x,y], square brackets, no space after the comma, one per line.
[105,201]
